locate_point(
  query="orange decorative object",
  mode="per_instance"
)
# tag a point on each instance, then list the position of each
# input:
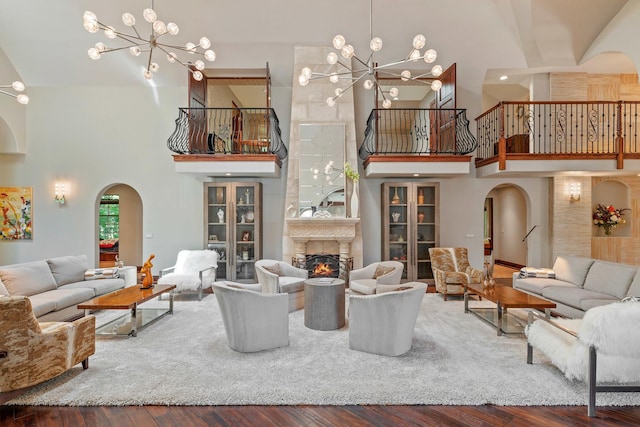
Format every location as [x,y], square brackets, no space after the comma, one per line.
[147,281]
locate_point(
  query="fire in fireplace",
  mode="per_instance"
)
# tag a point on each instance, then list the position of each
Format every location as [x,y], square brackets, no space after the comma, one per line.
[325,265]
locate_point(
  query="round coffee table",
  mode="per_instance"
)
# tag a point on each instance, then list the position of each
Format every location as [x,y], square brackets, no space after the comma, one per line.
[324,304]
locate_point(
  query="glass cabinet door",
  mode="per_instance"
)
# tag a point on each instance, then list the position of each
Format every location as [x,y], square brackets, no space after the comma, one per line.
[216,221]
[397,232]
[425,229]
[245,232]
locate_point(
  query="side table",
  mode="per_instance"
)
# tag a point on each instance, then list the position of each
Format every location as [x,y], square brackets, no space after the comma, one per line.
[324,304]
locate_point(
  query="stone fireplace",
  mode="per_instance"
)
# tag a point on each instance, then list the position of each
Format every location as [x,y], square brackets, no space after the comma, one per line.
[325,265]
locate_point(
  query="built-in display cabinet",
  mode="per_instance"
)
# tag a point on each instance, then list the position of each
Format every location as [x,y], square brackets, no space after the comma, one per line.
[410,226]
[233,227]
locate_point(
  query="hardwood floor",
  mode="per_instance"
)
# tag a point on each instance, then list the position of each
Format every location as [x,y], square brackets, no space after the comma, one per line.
[281,416]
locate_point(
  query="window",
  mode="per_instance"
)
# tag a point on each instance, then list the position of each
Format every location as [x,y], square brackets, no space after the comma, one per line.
[109,220]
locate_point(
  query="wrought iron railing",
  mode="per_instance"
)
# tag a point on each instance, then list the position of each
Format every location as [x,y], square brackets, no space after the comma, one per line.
[417,131]
[588,127]
[252,131]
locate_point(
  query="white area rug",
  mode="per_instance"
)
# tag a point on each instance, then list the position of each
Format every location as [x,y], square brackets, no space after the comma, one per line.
[184,359]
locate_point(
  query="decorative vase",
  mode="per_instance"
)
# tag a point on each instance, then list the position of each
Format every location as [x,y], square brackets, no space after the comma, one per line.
[420,217]
[395,216]
[355,202]
[421,197]
[607,230]
[396,199]
[220,195]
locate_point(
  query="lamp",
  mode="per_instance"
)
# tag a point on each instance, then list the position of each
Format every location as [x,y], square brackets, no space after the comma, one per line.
[138,44]
[371,69]
[18,86]
[60,190]
[575,191]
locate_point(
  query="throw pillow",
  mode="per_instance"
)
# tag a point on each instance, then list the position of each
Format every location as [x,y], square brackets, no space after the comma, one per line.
[381,271]
[275,269]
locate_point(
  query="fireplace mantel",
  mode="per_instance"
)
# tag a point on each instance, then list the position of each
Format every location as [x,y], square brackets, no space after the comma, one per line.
[334,228]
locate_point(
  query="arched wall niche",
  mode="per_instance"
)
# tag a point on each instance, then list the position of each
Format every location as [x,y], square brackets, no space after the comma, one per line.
[617,194]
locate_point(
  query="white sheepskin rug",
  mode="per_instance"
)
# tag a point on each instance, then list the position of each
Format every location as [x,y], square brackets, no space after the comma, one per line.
[186,272]
[614,329]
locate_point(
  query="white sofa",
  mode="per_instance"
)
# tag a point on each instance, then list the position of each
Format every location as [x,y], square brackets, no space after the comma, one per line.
[581,283]
[55,286]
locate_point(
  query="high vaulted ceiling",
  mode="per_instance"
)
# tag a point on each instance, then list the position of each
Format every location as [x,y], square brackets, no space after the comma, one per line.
[46,43]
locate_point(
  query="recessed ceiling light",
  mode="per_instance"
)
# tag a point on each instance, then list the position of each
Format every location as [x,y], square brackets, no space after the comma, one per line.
[504,77]
[228,174]
[416,174]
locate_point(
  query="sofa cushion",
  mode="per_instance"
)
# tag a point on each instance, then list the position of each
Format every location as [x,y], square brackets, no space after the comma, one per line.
[610,278]
[536,284]
[572,269]
[99,287]
[363,286]
[381,289]
[64,298]
[290,284]
[586,304]
[634,288]
[42,304]
[68,269]
[381,270]
[28,278]
[572,296]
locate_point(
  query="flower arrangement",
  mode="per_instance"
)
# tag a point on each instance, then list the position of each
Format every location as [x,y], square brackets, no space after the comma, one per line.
[608,217]
[351,173]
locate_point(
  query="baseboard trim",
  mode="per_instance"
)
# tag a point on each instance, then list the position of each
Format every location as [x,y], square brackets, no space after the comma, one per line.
[508,263]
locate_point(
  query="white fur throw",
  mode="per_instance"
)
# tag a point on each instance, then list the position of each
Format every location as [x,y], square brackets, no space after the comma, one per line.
[187,269]
[613,329]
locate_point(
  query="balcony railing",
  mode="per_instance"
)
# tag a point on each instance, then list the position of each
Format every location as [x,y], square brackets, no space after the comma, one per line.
[590,128]
[417,131]
[219,131]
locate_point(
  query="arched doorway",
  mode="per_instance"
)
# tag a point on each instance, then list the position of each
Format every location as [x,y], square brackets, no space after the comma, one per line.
[118,218]
[506,225]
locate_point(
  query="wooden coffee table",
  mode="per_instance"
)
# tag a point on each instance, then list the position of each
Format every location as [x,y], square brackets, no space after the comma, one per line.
[129,299]
[505,297]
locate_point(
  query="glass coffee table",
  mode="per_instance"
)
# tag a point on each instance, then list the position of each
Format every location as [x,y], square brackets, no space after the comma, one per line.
[504,297]
[129,299]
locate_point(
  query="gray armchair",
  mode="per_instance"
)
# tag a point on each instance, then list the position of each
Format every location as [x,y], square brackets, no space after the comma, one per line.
[279,277]
[253,321]
[383,323]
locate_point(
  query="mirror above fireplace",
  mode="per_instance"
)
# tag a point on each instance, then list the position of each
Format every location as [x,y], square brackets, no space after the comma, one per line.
[321,191]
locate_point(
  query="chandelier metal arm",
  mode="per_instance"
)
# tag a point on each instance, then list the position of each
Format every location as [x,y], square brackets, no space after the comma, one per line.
[351,85]
[8,93]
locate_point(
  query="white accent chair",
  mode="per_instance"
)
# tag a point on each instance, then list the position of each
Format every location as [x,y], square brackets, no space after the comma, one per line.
[253,321]
[383,323]
[279,277]
[364,281]
[602,348]
[194,270]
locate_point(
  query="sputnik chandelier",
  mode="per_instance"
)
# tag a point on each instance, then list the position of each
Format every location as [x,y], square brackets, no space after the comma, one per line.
[138,44]
[17,86]
[372,70]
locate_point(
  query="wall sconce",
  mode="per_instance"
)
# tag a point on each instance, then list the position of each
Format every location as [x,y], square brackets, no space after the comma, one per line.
[60,190]
[575,191]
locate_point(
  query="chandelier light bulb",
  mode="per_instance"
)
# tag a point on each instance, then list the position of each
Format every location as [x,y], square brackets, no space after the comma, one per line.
[134,51]
[22,99]
[89,16]
[110,33]
[331,102]
[159,27]
[436,85]
[191,48]
[306,72]
[101,47]
[376,44]
[171,57]
[419,41]
[128,19]
[339,42]
[394,92]
[386,103]
[430,56]
[205,43]
[347,51]
[405,75]
[147,74]
[415,55]
[94,54]
[197,75]
[210,55]
[150,15]
[18,86]
[199,65]
[332,58]
[154,67]
[436,70]
[334,78]
[173,29]
[368,84]
[92,27]
[338,91]
[302,80]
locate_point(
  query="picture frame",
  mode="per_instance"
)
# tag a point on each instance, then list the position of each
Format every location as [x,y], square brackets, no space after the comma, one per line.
[16,208]
[246,236]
